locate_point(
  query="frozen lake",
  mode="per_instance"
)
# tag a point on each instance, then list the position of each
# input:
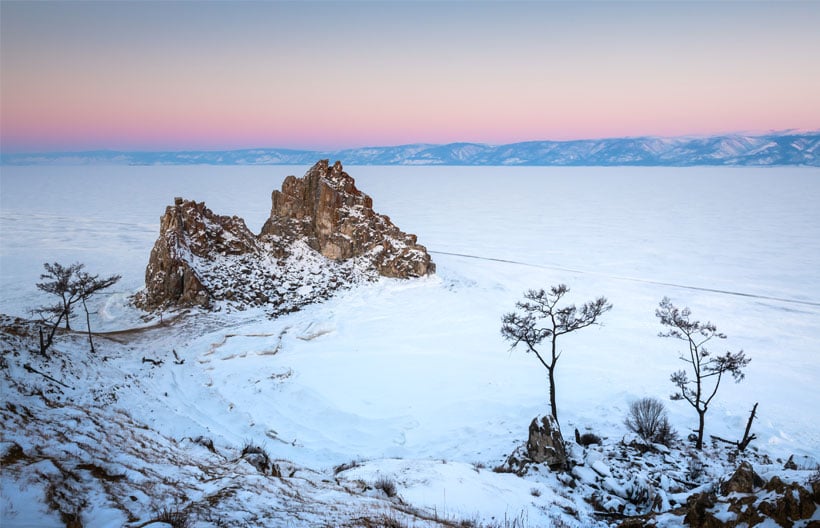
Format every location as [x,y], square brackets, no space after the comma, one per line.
[739,246]
[751,231]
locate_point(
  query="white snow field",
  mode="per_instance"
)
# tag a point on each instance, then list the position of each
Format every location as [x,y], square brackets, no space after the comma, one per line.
[411,379]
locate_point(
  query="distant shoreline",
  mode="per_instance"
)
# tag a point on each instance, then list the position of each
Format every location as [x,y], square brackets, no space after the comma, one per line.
[785,149]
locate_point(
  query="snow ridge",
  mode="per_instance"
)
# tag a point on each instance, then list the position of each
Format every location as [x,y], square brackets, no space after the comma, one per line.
[728,150]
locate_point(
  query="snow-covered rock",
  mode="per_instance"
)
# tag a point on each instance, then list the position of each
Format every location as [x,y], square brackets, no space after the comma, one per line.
[322,235]
[545,443]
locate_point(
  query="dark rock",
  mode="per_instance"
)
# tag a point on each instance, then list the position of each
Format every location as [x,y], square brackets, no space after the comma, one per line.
[637,522]
[801,462]
[697,514]
[545,443]
[791,503]
[744,480]
[517,462]
[744,509]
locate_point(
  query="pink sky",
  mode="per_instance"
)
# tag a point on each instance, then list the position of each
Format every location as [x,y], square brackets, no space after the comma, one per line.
[165,76]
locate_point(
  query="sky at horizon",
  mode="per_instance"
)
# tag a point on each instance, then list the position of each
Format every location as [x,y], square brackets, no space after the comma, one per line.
[325,75]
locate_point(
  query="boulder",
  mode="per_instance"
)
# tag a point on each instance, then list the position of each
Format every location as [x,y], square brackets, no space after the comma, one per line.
[545,443]
[697,514]
[743,480]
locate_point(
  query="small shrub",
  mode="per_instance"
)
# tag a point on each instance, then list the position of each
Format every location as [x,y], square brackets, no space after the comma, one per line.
[648,419]
[175,517]
[535,492]
[587,439]
[205,442]
[259,458]
[345,466]
[695,470]
[387,485]
[519,521]
[386,521]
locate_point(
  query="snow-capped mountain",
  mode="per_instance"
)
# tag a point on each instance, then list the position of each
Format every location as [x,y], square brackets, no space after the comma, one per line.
[728,150]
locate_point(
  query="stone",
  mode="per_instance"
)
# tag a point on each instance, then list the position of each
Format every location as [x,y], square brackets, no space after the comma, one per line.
[792,502]
[801,462]
[697,511]
[322,235]
[744,480]
[545,443]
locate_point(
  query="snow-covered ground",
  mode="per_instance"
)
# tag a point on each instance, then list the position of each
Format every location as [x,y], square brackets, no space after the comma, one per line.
[402,376]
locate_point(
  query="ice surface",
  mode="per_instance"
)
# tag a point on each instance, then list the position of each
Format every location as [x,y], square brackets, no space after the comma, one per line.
[417,370]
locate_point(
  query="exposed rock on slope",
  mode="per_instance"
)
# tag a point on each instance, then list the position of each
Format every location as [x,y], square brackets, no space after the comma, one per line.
[322,235]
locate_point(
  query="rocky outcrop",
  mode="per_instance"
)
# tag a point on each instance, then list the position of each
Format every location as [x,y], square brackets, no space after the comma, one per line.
[743,480]
[322,235]
[749,501]
[545,443]
[190,231]
[336,219]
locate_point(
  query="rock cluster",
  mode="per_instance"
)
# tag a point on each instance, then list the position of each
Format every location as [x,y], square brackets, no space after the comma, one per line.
[322,235]
[751,501]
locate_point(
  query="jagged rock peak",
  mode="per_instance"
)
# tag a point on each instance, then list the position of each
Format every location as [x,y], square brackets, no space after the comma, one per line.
[323,235]
[336,219]
[188,230]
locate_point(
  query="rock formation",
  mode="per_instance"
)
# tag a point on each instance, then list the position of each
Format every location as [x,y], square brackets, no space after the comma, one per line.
[189,231]
[545,443]
[337,220]
[743,480]
[322,235]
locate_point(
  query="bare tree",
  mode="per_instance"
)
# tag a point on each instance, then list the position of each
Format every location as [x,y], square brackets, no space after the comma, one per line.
[71,284]
[538,317]
[707,369]
[87,285]
[58,280]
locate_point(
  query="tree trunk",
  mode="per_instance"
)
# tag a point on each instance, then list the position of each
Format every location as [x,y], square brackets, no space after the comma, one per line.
[88,324]
[51,332]
[701,420]
[744,442]
[551,371]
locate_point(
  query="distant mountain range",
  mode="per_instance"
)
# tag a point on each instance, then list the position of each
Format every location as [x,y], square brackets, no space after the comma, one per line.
[728,150]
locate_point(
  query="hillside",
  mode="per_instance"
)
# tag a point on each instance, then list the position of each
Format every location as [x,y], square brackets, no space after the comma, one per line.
[730,150]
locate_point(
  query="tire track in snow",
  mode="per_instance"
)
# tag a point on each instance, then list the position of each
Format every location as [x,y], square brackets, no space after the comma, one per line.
[633,279]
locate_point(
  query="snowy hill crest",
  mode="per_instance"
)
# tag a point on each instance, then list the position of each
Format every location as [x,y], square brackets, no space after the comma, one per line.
[788,148]
[321,236]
